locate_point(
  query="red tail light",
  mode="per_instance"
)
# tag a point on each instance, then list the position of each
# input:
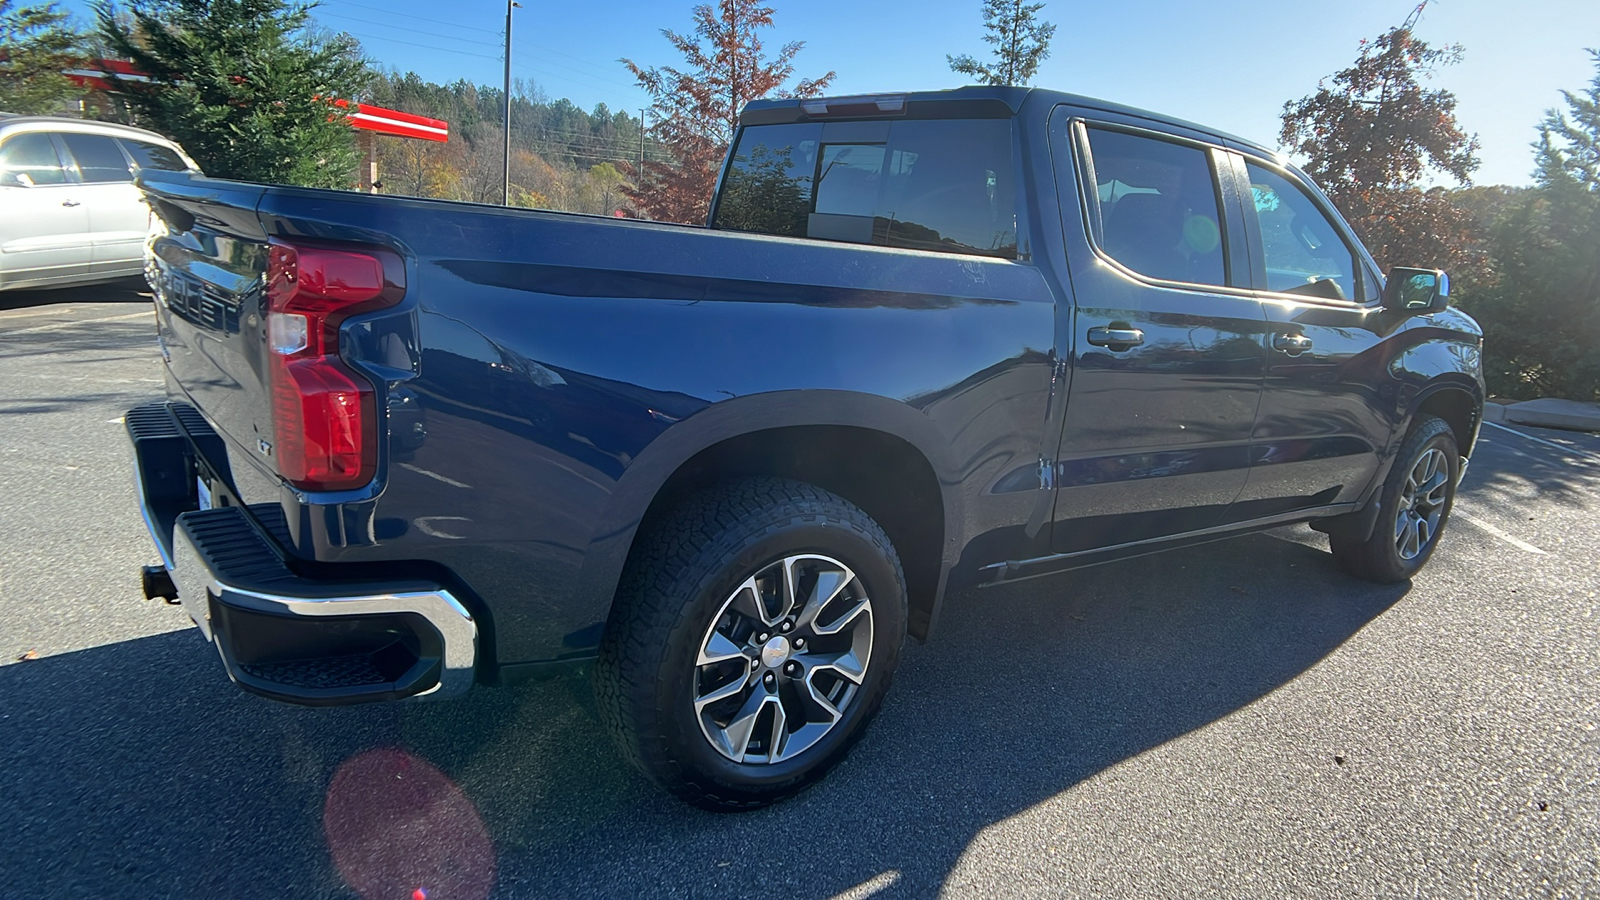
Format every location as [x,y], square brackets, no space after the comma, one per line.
[323,413]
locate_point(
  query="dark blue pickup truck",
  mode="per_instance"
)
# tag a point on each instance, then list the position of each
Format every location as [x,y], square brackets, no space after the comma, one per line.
[928,341]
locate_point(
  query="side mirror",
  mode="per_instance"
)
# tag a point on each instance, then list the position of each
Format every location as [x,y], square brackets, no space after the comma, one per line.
[15,179]
[1416,290]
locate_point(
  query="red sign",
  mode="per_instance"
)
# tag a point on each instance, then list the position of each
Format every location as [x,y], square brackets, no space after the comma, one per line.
[365,116]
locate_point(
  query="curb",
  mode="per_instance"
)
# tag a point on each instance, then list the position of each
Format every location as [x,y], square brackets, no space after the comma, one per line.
[1567,415]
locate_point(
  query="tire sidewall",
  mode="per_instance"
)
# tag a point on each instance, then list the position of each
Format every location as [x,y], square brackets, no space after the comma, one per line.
[740,558]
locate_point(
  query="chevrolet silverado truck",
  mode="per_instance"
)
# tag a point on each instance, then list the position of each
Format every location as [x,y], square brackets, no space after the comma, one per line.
[928,342]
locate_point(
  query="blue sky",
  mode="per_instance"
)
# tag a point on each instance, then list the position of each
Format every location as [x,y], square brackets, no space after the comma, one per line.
[1230,66]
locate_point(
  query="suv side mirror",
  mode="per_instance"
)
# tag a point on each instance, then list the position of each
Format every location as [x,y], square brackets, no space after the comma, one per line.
[1416,290]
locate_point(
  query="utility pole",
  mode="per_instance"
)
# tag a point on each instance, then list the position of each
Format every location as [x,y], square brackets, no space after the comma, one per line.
[505,196]
[639,175]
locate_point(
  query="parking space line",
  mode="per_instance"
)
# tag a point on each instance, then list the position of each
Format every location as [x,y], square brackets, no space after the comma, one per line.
[1575,451]
[54,325]
[1515,542]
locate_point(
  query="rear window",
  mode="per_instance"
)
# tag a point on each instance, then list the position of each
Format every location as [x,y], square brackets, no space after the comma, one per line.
[943,185]
[98,157]
[153,156]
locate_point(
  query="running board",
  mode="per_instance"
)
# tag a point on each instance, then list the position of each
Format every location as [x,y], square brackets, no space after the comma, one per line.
[1039,566]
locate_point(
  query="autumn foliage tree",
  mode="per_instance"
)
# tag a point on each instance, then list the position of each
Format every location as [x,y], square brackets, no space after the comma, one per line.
[1021,42]
[696,107]
[1372,136]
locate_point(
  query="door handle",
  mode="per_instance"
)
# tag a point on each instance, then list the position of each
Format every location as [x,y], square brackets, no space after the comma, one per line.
[1116,338]
[1292,344]
[70,203]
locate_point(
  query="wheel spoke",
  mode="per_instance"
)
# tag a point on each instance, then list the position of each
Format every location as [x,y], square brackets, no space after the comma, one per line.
[844,621]
[740,730]
[722,693]
[779,737]
[830,583]
[718,648]
[747,602]
[846,664]
[789,589]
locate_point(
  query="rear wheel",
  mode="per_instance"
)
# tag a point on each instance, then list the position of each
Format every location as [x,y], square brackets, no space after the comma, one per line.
[754,635]
[1415,505]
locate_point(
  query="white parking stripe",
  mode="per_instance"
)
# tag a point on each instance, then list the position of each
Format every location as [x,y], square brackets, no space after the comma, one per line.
[54,325]
[1575,451]
[1515,542]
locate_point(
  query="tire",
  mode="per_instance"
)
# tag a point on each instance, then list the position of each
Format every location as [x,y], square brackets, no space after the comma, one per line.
[697,664]
[1415,506]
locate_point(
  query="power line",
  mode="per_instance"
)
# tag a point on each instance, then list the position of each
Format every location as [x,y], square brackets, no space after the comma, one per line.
[388,12]
[373,37]
[444,37]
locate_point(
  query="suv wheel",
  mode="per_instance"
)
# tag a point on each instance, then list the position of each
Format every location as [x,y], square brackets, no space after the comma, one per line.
[1416,501]
[754,636]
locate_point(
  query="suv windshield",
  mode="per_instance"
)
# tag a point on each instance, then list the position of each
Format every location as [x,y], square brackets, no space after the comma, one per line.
[943,185]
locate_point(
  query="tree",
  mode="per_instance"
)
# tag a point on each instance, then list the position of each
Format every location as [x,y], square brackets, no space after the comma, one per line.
[246,86]
[37,43]
[1371,137]
[1020,42]
[697,108]
[1542,318]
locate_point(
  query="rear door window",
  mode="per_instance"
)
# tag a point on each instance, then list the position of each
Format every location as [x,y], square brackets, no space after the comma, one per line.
[30,160]
[153,156]
[946,185]
[1158,207]
[98,157]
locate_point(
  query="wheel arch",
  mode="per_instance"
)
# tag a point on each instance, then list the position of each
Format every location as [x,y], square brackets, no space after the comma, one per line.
[880,454]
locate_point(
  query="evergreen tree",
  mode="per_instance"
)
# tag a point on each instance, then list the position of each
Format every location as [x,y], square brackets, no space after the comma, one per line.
[36,44]
[1541,318]
[1020,42]
[696,109]
[244,85]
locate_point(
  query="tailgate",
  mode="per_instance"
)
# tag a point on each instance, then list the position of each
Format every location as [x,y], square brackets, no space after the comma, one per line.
[255,330]
[205,262]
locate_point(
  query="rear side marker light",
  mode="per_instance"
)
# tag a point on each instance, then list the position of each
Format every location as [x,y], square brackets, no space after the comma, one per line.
[323,412]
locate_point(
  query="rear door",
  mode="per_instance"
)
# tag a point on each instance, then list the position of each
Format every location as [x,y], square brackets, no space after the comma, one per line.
[1167,344]
[44,231]
[118,218]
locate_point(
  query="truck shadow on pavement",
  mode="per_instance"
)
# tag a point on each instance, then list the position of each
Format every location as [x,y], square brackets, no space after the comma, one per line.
[123,290]
[134,769]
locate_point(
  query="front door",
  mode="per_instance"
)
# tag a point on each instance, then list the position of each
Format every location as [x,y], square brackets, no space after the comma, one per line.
[1167,343]
[44,233]
[1326,411]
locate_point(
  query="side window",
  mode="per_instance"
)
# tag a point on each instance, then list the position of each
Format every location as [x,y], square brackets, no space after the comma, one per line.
[925,184]
[1158,207]
[98,158]
[30,159]
[1303,250]
[153,156]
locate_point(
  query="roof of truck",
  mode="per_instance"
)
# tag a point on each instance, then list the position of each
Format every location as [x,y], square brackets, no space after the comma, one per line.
[1013,98]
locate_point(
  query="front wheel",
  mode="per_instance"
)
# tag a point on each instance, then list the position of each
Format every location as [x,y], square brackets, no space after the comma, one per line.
[755,634]
[1415,505]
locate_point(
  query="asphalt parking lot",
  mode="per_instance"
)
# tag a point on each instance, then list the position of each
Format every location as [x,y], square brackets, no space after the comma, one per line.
[1239,719]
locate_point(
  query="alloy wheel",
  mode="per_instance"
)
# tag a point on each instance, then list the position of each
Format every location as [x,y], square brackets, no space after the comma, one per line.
[783,659]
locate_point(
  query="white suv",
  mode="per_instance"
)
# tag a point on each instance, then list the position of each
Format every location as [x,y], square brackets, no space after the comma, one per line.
[69,211]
